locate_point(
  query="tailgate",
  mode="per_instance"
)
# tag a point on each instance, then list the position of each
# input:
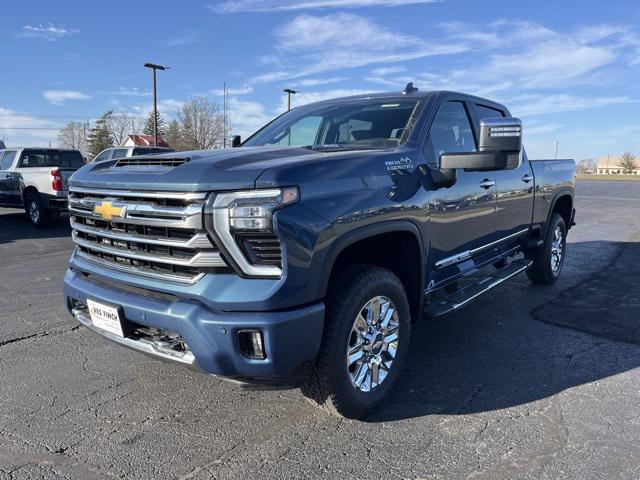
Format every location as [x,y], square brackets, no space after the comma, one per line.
[66,174]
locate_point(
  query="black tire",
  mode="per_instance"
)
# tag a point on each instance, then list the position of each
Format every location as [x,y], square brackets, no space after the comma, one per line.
[38,215]
[546,266]
[330,385]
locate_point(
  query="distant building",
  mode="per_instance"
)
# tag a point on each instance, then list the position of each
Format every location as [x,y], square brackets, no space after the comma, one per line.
[143,141]
[609,166]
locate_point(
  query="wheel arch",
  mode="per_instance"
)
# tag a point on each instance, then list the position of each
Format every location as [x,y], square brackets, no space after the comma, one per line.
[363,245]
[562,203]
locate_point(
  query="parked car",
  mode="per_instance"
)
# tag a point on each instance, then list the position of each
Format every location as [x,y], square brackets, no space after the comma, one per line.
[123,152]
[37,179]
[305,255]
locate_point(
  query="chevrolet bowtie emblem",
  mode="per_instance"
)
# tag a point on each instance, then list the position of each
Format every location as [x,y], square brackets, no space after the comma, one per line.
[107,211]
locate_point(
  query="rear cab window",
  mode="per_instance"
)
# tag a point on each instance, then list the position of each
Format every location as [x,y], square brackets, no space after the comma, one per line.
[51,158]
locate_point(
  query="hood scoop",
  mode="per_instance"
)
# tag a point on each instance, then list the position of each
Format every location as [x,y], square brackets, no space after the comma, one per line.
[151,163]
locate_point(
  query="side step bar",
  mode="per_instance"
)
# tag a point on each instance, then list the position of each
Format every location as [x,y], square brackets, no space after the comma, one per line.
[463,296]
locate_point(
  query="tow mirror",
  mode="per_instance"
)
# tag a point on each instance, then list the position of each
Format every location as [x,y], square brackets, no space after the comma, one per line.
[499,148]
[235,141]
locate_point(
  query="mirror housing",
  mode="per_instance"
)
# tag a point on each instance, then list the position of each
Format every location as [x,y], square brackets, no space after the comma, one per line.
[235,141]
[499,148]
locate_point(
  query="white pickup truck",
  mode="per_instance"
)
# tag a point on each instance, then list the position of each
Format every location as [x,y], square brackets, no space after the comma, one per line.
[37,179]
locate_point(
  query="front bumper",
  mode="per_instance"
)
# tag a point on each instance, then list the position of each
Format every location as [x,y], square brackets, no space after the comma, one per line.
[291,337]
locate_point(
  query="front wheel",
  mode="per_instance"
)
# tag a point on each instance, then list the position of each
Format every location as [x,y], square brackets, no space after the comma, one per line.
[365,342]
[547,264]
[37,213]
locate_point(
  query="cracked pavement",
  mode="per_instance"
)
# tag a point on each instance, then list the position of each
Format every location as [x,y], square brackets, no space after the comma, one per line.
[527,382]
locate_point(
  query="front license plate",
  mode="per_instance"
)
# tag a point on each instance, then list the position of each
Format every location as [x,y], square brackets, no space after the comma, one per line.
[105,317]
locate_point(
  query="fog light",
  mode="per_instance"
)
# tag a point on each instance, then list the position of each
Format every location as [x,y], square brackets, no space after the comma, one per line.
[252,344]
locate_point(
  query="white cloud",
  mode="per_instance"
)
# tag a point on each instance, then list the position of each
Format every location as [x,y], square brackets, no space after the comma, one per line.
[22,128]
[314,82]
[59,97]
[49,32]
[536,104]
[304,98]
[291,5]
[244,90]
[342,41]
[379,72]
[184,39]
[128,92]
[246,117]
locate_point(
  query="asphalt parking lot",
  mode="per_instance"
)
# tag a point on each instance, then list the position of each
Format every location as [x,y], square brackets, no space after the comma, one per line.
[528,382]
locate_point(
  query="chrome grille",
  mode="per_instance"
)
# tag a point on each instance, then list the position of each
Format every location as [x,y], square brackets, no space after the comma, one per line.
[159,235]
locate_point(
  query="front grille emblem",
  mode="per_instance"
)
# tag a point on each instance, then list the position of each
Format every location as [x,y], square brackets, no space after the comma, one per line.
[107,211]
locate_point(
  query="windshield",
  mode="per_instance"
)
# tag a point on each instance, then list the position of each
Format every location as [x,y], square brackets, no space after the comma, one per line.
[356,124]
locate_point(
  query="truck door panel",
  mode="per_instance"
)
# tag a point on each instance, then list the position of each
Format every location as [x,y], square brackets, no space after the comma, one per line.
[514,191]
[462,217]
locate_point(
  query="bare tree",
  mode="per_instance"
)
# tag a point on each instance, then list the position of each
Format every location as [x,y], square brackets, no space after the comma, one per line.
[628,162]
[586,165]
[74,135]
[120,126]
[202,124]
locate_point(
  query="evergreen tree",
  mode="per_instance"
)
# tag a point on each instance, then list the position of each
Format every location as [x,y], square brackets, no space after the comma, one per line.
[148,125]
[100,136]
[173,135]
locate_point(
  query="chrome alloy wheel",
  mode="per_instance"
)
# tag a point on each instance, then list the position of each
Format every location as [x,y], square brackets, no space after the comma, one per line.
[557,247]
[373,344]
[34,211]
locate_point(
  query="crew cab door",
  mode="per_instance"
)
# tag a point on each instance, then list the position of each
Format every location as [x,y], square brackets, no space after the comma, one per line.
[463,214]
[514,190]
[9,192]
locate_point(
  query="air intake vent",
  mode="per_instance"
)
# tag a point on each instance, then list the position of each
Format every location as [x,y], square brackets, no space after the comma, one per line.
[151,162]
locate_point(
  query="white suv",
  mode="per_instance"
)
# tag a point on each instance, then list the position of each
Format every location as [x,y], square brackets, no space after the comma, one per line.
[123,152]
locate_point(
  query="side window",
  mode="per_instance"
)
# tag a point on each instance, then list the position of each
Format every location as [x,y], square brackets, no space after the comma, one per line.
[102,156]
[450,132]
[119,153]
[488,112]
[7,160]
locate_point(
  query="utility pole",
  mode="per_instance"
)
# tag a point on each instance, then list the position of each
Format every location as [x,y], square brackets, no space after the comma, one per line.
[155,67]
[289,92]
[557,142]
[224,115]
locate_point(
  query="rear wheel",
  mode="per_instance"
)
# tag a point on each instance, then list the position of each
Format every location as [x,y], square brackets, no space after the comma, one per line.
[547,264]
[37,213]
[366,338]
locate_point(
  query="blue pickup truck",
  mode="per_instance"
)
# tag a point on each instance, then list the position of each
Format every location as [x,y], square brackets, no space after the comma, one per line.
[303,256]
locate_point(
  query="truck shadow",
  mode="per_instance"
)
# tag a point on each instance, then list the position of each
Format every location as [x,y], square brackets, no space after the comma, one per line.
[14,226]
[498,354]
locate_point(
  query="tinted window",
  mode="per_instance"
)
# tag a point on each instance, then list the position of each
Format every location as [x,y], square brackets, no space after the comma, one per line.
[150,150]
[450,132]
[353,124]
[7,160]
[51,158]
[119,153]
[488,112]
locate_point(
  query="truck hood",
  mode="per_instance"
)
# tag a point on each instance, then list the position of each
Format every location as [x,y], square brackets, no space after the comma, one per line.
[205,170]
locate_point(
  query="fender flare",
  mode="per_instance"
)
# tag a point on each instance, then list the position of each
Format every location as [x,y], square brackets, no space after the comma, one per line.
[563,192]
[362,233]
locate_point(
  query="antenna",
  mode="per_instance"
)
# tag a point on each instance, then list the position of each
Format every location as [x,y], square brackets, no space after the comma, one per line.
[409,88]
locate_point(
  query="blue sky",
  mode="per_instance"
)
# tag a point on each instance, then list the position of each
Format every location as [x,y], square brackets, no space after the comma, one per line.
[570,69]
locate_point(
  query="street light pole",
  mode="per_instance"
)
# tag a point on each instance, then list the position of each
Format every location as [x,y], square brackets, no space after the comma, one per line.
[289,92]
[155,67]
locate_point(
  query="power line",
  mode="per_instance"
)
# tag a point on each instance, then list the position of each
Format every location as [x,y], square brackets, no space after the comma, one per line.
[29,128]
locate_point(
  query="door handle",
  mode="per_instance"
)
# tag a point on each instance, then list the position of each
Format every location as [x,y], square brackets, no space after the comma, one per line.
[8,175]
[486,183]
[526,178]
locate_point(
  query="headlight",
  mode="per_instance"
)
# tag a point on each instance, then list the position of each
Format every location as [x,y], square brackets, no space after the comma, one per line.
[231,216]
